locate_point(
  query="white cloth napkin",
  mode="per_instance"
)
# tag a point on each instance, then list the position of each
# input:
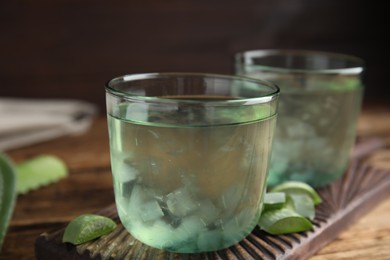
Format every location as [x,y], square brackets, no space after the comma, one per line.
[28,121]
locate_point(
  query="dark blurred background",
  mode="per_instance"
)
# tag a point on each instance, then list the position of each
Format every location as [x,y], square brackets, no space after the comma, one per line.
[70,49]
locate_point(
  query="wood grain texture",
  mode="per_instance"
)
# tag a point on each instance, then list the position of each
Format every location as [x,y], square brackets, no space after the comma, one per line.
[369,237]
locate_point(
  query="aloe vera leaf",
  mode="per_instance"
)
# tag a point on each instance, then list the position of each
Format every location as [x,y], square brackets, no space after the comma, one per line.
[274,200]
[298,187]
[7,194]
[87,227]
[39,171]
[303,204]
[283,221]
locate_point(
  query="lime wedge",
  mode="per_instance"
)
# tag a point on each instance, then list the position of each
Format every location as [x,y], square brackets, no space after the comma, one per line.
[274,200]
[87,227]
[296,187]
[7,194]
[283,221]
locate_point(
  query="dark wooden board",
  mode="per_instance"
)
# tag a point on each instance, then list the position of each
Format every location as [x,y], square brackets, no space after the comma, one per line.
[344,201]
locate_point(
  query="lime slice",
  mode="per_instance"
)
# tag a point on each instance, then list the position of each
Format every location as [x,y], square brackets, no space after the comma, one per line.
[7,194]
[87,227]
[283,221]
[302,204]
[296,187]
[274,200]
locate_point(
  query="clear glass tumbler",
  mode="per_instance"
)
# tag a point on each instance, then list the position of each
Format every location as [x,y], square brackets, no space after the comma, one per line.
[320,101]
[189,156]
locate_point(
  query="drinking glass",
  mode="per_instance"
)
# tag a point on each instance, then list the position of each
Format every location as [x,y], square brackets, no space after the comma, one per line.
[320,101]
[189,156]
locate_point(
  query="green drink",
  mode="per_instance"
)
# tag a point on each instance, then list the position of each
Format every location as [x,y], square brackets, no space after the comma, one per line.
[313,141]
[190,172]
[319,106]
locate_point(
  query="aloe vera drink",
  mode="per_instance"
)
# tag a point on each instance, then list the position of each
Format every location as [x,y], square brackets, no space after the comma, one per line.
[190,178]
[319,105]
[313,142]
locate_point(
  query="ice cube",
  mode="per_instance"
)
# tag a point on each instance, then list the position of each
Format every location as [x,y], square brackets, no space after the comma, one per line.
[125,176]
[141,197]
[189,229]
[150,211]
[137,112]
[207,211]
[185,237]
[159,235]
[181,202]
[168,217]
[135,202]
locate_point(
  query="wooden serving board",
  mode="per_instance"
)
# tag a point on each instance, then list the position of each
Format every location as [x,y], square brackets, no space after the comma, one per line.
[363,186]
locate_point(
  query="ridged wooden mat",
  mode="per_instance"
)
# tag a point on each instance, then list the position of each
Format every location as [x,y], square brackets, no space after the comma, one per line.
[359,190]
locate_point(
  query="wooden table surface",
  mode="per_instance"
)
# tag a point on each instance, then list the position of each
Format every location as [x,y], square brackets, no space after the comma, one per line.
[88,188]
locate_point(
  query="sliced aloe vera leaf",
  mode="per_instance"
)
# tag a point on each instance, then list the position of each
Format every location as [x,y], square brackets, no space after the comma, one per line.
[283,221]
[302,204]
[87,227]
[39,171]
[7,194]
[297,187]
[274,200]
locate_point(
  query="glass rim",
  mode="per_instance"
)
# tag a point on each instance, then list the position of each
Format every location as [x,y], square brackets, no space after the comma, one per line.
[266,98]
[245,56]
